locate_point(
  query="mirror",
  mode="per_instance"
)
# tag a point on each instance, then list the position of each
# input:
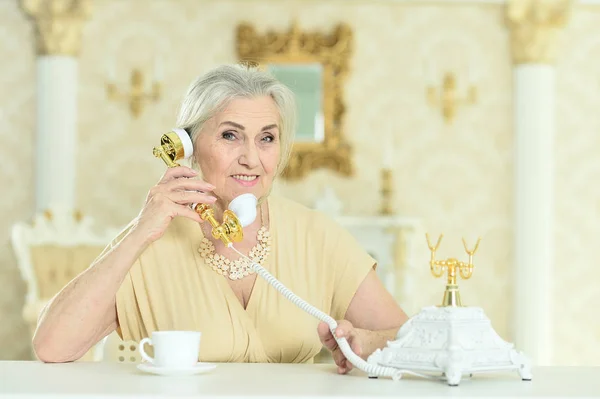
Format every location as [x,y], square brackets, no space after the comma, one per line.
[314,66]
[305,80]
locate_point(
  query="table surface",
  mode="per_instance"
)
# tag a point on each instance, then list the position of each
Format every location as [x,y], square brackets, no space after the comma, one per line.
[31,379]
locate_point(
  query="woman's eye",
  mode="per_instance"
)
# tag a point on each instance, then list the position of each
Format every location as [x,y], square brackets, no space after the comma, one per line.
[228,136]
[269,139]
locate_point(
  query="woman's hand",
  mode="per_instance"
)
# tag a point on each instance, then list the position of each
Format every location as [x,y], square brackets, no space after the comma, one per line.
[344,329]
[171,197]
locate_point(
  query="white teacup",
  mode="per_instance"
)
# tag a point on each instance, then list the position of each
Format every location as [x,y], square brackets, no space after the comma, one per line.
[173,349]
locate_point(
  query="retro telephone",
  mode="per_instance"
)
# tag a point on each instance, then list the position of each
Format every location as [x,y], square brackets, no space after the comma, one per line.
[450,339]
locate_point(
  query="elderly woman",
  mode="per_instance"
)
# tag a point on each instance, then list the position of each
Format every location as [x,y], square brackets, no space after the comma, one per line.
[166,272]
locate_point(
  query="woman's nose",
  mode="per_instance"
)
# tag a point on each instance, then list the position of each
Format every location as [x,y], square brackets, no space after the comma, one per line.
[250,156]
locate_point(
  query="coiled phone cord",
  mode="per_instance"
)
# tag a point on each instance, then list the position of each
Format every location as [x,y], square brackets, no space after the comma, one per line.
[371,369]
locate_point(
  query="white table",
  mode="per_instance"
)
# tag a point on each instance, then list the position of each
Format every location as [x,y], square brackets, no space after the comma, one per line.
[116,380]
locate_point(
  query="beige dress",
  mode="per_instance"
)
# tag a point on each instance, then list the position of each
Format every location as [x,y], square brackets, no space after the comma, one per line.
[170,287]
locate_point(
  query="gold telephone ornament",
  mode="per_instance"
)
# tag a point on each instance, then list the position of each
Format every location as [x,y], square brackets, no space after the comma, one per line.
[451,265]
[176,145]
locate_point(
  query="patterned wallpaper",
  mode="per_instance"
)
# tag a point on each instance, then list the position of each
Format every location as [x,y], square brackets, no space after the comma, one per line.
[457,179]
[17,124]
[577,191]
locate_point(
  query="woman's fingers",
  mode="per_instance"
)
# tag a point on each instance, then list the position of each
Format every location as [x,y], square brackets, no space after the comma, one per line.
[181,189]
[183,184]
[170,198]
[330,343]
[178,171]
[325,336]
[190,197]
[182,210]
[356,348]
[346,330]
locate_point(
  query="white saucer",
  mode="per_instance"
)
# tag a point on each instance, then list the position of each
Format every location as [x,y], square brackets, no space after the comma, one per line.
[197,369]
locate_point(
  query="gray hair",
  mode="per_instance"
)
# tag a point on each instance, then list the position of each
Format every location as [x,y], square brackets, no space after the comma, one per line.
[210,93]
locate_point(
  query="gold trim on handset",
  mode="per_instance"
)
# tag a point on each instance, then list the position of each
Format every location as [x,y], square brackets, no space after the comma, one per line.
[170,149]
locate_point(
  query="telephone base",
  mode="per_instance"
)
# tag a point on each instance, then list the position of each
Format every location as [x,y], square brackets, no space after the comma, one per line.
[453,341]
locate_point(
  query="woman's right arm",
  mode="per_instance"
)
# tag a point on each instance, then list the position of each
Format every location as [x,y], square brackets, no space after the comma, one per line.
[84,311]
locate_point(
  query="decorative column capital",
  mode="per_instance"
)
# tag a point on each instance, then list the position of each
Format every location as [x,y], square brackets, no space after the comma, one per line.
[534,25]
[58,24]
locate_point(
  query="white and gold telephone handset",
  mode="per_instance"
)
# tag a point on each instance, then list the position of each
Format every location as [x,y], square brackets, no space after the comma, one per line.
[176,145]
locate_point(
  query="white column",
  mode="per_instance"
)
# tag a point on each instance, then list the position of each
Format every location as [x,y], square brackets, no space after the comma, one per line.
[534,115]
[533,27]
[58,26]
[56,136]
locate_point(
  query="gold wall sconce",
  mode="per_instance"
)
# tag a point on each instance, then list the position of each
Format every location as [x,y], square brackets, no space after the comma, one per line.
[137,96]
[447,97]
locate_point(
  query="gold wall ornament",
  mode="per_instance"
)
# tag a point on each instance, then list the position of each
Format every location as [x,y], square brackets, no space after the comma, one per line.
[451,266]
[297,48]
[137,97]
[59,24]
[387,192]
[447,97]
[534,25]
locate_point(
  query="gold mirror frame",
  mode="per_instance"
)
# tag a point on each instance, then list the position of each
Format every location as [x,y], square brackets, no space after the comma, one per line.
[333,52]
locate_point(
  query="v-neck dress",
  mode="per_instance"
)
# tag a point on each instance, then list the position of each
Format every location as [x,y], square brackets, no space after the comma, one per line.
[170,287]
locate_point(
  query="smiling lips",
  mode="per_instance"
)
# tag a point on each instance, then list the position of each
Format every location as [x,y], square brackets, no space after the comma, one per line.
[246,180]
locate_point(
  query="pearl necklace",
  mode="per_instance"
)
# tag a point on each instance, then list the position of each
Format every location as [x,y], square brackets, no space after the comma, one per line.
[240,268]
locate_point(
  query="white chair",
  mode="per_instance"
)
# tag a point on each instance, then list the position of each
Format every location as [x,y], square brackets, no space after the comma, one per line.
[53,249]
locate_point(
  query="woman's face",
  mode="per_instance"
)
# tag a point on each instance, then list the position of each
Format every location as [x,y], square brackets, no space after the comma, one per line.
[238,149]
